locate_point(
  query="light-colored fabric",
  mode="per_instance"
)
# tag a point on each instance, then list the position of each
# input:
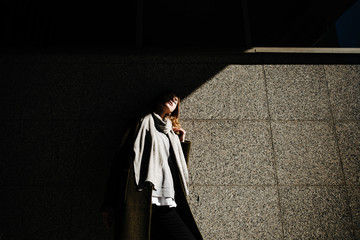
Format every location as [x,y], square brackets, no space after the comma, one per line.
[154,174]
[167,187]
[163,201]
[164,126]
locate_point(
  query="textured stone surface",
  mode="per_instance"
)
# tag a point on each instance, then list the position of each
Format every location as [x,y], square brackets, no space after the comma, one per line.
[297,92]
[236,92]
[344,87]
[231,153]
[40,91]
[315,213]
[185,108]
[188,126]
[354,193]
[236,212]
[349,145]
[306,153]
[247,92]
[209,101]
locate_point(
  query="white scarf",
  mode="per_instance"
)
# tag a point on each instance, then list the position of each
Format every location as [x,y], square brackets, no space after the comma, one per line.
[151,123]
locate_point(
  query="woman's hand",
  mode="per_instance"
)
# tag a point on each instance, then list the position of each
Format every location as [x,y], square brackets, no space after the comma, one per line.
[181,133]
[108,218]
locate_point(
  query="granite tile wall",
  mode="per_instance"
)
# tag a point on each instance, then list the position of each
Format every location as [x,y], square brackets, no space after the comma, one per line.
[275,141]
[276,154]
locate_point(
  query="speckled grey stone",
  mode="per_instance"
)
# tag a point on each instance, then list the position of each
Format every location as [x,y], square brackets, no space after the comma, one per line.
[354,193]
[315,213]
[44,153]
[297,92]
[231,153]
[344,87]
[306,153]
[210,101]
[40,91]
[188,126]
[349,145]
[247,91]
[235,92]
[185,109]
[236,212]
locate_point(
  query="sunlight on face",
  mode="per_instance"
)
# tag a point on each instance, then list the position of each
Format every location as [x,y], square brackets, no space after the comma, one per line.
[172,103]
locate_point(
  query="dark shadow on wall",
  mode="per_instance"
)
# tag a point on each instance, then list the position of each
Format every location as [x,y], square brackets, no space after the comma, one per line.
[61,123]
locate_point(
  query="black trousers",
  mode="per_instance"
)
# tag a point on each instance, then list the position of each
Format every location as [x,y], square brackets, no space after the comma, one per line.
[167,224]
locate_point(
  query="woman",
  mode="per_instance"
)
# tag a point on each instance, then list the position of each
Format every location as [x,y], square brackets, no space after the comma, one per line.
[147,188]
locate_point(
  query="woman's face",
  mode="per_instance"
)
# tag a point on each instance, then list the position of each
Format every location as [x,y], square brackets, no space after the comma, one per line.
[171,103]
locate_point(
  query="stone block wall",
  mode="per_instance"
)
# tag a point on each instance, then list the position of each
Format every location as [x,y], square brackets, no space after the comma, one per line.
[275,141]
[276,152]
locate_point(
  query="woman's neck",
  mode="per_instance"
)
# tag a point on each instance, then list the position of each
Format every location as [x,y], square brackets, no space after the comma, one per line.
[161,113]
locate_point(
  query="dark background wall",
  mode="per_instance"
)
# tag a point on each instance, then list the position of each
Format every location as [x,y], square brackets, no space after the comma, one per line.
[62,118]
[112,26]
[74,73]
[61,122]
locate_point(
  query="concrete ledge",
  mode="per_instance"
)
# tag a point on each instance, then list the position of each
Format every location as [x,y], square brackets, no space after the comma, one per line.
[302,50]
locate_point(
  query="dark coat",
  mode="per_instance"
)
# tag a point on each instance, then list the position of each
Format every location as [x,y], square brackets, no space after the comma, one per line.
[132,208]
